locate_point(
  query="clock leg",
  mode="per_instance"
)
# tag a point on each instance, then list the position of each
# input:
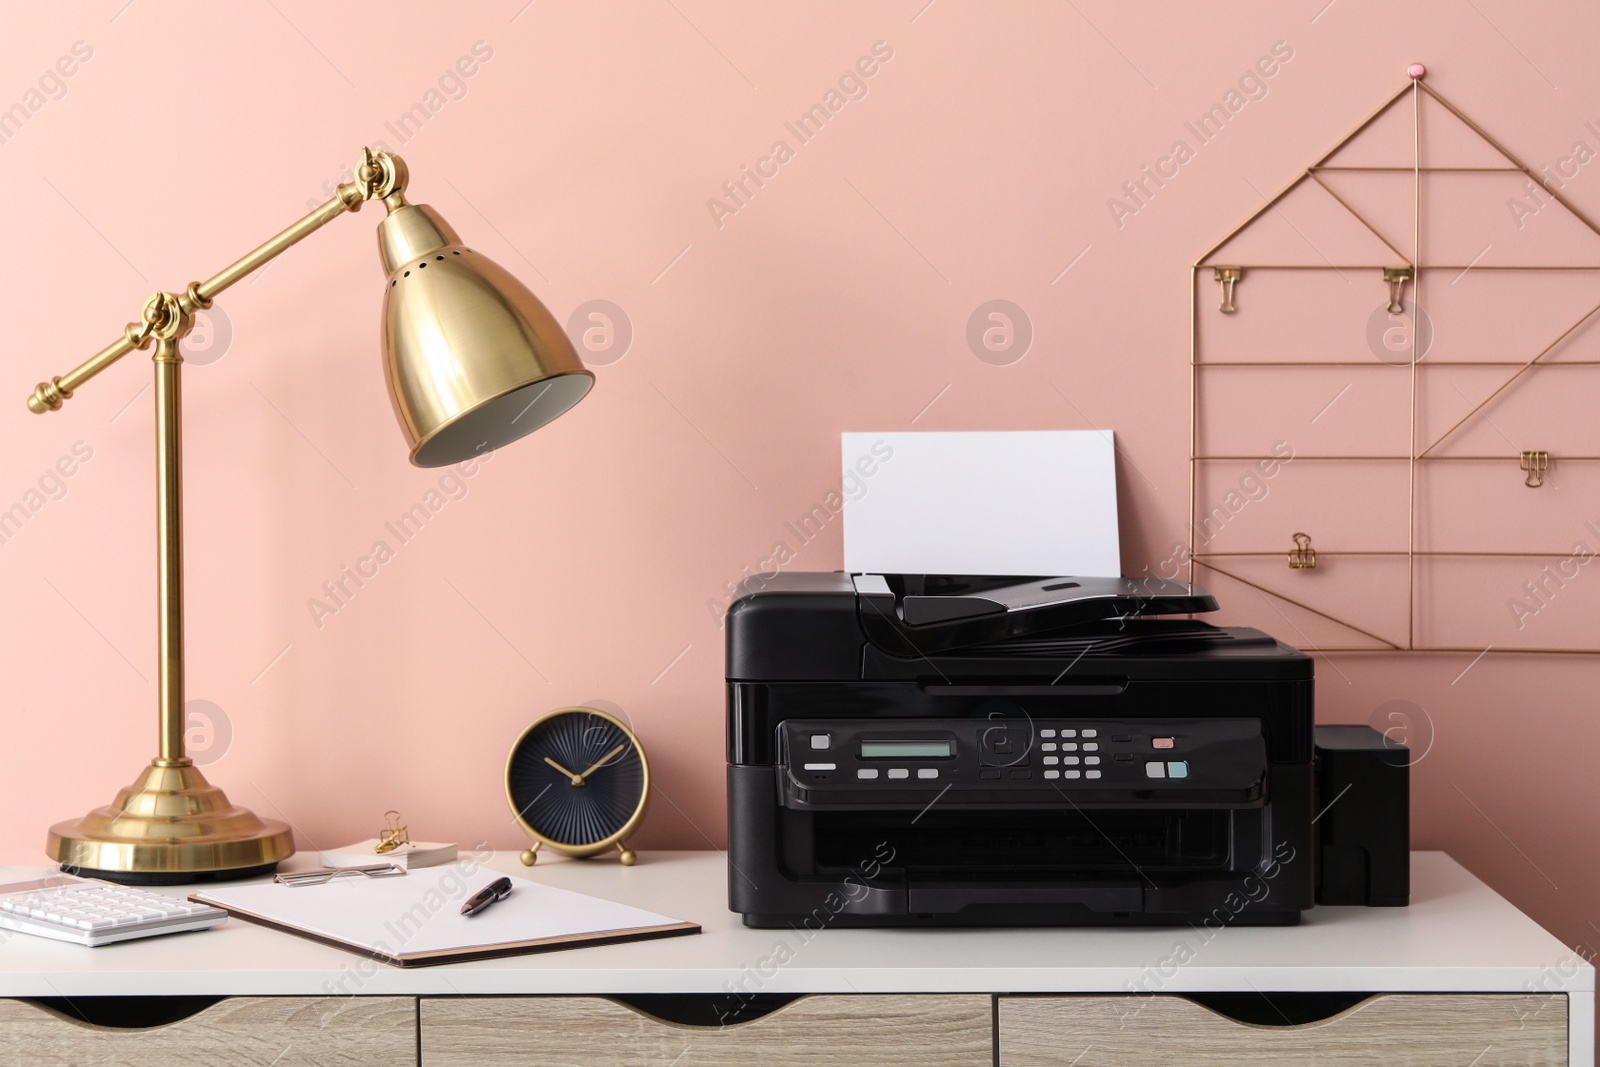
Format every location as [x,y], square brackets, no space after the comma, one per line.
[529,855]
[627,855]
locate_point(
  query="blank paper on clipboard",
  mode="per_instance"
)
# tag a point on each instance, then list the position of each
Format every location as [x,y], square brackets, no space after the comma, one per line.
[1007,502]
[416,920]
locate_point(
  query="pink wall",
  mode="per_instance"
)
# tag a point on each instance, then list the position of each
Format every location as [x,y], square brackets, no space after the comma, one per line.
[975,164]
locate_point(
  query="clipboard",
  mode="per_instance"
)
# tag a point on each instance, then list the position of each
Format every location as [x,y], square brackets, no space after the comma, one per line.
[415,921]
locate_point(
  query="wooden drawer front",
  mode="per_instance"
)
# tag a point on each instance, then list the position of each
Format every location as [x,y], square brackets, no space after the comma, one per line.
[240,1032]
[863,1031]
[1392,1030]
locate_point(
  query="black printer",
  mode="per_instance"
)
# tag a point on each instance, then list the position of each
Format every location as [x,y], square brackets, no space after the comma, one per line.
[979,751]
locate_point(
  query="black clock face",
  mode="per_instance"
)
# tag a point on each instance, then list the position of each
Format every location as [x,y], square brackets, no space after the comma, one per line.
[576,778]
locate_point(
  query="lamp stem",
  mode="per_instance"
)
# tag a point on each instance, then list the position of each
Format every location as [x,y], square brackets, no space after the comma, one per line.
[169,549]
[170,826]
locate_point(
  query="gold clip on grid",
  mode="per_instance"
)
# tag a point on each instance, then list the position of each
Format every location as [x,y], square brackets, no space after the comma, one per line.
[1397,278]
[1535,464]
[1227,276]
[1302,557]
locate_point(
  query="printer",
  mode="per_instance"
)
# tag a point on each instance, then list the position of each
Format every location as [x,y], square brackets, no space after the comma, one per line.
[942,750]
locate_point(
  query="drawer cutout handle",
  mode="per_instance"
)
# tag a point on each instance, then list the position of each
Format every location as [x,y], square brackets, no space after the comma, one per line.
[710,1010]
[1278,1009]
[126,1013]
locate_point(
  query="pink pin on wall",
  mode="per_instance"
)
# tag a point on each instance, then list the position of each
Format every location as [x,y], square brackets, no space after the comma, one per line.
[1416,70]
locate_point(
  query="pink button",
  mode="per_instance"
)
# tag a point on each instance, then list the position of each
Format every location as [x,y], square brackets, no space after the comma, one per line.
[1161,742]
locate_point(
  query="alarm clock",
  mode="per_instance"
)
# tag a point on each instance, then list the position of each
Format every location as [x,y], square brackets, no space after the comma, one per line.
[577,782]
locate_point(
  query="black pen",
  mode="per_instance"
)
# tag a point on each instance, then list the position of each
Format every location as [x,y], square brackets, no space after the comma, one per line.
[498,889]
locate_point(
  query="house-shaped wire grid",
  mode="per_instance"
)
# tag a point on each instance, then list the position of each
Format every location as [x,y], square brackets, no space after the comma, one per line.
[1394,368]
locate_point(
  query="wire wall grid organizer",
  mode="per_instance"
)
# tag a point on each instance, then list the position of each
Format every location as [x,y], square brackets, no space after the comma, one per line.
[1397,359]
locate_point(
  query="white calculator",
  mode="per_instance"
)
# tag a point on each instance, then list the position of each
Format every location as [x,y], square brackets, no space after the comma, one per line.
[87,911]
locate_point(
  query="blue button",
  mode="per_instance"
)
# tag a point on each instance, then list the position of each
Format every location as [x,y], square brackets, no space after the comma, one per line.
[1178,769]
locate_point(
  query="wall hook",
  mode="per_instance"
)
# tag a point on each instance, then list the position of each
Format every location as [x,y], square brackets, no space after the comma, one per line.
[1397,278]
[1302,557]
[1227,276]
[1535,463]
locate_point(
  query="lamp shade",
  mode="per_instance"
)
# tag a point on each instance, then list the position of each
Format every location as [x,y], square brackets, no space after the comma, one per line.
[473,359]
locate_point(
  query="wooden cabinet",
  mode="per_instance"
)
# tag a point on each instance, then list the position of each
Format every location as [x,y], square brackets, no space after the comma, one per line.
[863,1031]
[1394,1030]
[240,1032]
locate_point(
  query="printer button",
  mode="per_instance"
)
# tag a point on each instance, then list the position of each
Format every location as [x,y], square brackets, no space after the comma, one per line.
[1122,737]
[1091,761]
[1052,774]
[988,773]
[1091,746]
[1069,761]
[1070,774]
[1161,742]
[820,741]
[1178,769]
[1047,733]
[899,772]
[1048,746]
[1021,774]
[1091,733]
[1069,747]
[1051,761]
[927,772]
[1124,757]
[1155,769]
[1091,774]
[867,773]
[1069,733]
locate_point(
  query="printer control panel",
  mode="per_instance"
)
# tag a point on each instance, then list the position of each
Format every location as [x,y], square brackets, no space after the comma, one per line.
[853,760]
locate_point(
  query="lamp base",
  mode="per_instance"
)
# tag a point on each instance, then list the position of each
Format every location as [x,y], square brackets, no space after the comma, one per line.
[159,878]
[170,827]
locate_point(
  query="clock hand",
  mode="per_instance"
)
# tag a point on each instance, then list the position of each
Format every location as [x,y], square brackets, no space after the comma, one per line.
[577,779]
[603,760]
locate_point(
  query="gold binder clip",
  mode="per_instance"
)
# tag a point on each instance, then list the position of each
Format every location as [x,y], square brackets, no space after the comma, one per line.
[1302,557]
[1227,276]
[1397,278]
[1535,463]
[393,835]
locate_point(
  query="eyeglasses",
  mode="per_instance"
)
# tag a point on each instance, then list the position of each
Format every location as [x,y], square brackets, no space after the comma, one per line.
[326,874]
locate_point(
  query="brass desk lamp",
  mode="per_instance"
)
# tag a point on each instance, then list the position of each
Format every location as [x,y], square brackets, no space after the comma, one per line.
[473,361]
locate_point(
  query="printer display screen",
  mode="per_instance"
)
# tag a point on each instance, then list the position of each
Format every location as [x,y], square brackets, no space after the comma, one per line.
[934,749]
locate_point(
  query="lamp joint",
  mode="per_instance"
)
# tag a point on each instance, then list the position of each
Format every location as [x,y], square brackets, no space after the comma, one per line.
[379,176]
[167,317]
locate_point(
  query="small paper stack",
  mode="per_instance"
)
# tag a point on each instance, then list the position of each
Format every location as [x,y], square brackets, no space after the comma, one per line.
[413,855]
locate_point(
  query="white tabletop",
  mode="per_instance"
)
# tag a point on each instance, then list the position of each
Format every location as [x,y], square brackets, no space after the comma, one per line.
[1457,935]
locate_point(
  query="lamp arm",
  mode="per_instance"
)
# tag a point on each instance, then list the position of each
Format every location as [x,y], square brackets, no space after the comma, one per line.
[380,176]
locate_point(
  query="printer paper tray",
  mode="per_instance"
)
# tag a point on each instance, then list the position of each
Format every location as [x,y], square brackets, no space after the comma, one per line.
[945,897]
